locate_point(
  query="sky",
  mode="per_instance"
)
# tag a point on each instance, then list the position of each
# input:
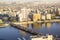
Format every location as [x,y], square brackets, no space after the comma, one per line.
[29,0]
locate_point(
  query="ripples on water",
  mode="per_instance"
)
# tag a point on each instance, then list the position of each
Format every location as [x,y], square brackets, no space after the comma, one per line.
[10,33]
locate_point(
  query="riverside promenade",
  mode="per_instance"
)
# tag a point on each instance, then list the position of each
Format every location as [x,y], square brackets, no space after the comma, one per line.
[31,22]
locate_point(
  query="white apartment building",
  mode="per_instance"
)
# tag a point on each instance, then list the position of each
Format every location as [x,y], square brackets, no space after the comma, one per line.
[23,14]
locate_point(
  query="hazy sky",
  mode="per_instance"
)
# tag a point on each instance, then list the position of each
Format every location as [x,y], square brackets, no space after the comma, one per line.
[29,0]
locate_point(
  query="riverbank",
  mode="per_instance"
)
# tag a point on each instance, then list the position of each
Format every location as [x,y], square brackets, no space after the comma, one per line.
[3,25]
[41,21]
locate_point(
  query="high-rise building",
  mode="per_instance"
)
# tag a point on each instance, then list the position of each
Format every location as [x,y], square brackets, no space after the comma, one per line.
[59,11]
[23,16]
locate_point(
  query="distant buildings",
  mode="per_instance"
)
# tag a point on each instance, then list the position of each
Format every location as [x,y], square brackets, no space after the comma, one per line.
[32,12]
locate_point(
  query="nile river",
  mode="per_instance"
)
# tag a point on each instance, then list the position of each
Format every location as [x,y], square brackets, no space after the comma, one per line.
[10,33]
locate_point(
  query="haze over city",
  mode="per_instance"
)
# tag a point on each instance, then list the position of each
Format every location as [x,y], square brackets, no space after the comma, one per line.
[30,1]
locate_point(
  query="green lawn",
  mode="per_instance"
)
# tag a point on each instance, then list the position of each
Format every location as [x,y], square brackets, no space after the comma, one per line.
[1,21]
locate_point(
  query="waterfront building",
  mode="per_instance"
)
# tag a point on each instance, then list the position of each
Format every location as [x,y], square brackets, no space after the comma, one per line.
[48,37]
[20,17]
[53,15]
[48,16]
[24,13]
[59,11]
[43,17]
[36,16]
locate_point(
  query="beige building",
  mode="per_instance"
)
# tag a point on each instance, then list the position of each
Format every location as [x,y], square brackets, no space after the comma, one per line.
[43,17]
[48,16]
[53,15]
[48,37]
[59,10]
[36,17]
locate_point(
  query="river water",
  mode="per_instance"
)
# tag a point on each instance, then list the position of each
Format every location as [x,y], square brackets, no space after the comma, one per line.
[10,33]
